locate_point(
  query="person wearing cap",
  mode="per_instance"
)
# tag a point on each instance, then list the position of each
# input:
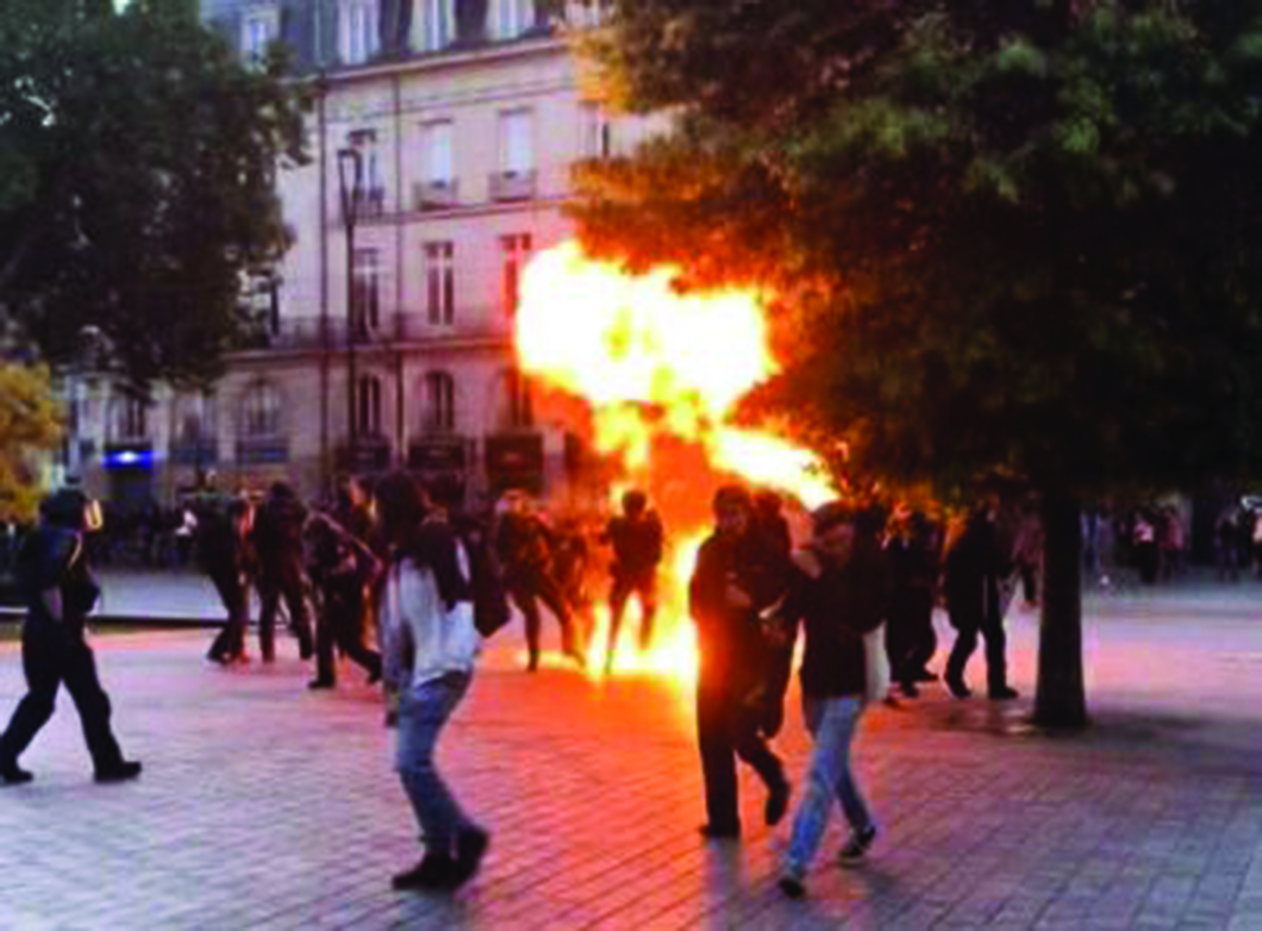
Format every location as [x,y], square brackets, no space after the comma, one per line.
[733,581]
[839,594]
[59,592]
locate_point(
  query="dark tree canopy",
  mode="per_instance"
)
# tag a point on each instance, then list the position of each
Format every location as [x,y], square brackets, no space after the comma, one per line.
[138,162]
[1014,237]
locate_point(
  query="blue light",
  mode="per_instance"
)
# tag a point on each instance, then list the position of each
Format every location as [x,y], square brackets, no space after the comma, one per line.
[129,459]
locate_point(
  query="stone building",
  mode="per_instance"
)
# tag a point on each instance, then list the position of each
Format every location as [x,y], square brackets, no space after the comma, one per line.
[457,123]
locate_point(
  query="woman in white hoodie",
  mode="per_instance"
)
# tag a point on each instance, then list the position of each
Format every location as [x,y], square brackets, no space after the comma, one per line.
[430,646]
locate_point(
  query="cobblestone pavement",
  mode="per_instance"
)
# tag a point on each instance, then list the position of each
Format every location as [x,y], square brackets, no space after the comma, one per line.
[263,805]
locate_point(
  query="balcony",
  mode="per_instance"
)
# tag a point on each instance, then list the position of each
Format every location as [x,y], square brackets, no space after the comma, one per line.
[371,206]
[203,451]
[262,450]
[305,334]
[513,185]
[435,195]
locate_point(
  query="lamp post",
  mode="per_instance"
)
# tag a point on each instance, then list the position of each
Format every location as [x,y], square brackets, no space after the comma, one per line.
[349,180]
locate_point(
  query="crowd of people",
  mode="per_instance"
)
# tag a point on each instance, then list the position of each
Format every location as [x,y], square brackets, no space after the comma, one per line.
[402,582]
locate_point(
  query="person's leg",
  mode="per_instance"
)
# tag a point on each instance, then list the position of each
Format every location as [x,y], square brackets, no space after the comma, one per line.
[718,760]
[823,777]
[349,631]
[221,649]
[550,592]
[745,723]
[447,831]
[996,659]
[646,586]
[845,722]
[296,602]
[325,621]
[523,596]
[94,708]
[618,596]
[42,665]
[269,604]
[965,644]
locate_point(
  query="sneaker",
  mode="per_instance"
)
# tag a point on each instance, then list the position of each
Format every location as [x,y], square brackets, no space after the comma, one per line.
[958,688]
[13,775]
[470,849]
[720,831]
[433,872]
[119,772]
[857,847]
[1004,693]
[791,885]
[778,802]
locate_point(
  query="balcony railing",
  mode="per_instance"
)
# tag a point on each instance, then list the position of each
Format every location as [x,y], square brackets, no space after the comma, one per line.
[435,195]
[513,185]
[314,333]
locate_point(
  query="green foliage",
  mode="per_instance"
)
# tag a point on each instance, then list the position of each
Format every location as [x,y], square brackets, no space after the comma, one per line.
[30,425]
[1019,237]
[138,161]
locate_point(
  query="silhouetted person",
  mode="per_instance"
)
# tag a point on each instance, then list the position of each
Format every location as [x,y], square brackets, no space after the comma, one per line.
[59,592]
[840,593]
[909,635]
[342,569]
[524,549]
[771,526]
[974,568]
[227,557]
[572,567]
[730,586]
[636,538]
[278,544]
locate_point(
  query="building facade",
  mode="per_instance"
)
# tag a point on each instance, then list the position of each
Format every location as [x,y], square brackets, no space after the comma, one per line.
[445,133]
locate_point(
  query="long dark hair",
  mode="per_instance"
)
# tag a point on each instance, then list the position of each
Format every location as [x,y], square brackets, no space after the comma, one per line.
[400,509]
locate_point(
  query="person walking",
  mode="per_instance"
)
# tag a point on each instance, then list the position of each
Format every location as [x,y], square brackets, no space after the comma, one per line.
[910,639]
[974,568]
[342,570]
[226,555]
[840,593]
[59,592]
[733,581]
[277,539]
[525,552]
[637,538]
[431,645]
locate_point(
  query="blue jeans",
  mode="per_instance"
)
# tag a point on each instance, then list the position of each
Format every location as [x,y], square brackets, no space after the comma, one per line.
[832,723]
[423,710]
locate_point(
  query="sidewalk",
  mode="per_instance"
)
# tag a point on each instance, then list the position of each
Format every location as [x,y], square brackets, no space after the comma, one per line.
[266,806]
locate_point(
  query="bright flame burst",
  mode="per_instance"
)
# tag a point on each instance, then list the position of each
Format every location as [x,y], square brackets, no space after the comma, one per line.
[653,364]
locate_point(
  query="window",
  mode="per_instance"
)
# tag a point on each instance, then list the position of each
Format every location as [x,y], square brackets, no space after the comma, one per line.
[438,164]
[131,419]
[513,17]
[597,141]
[516,250]
[367,310]
[440,402]
[437,24]
[518,405]
[371,189]
[260,411]
[194,419]
[359,33]
[440,283]
[257,32]
[516,150]
[368,406]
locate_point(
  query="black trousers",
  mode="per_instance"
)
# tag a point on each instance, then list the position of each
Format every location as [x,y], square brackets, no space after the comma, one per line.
[910,640]
[530,586]
[274,586]
[728,728]
[340,624]
[53,655]
[236,599]
[966,642]
[643,584]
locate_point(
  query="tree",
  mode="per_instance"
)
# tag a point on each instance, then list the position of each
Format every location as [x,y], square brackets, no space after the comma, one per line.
[30,424]
[138,161]
[1016,238]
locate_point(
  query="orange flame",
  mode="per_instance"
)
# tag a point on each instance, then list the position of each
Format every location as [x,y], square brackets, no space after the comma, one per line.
[652,363]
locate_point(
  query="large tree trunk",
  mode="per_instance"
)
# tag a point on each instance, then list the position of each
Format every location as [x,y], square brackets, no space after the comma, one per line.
[1060,699]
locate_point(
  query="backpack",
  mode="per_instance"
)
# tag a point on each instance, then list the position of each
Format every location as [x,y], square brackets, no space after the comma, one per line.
[490,596]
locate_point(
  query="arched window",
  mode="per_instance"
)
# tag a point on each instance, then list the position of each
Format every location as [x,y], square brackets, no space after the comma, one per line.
[194,419]
[261,412]
[368,406]
[440,403]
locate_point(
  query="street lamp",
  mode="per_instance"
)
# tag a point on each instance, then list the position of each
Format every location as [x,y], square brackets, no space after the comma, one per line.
[349,176]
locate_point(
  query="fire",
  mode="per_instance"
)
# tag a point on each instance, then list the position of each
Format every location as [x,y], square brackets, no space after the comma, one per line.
[660,372]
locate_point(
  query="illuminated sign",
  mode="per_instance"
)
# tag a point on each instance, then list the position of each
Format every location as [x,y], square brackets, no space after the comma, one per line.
[128,458]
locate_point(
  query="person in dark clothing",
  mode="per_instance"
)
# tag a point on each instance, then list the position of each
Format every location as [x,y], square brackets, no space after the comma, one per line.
[840,592]
[770,524]
[572,566]
[974,568]
[909,636]
[525,552]
[342,569]
[278,545]
[730,586]
[226,555]
[59,592]
[636,538]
